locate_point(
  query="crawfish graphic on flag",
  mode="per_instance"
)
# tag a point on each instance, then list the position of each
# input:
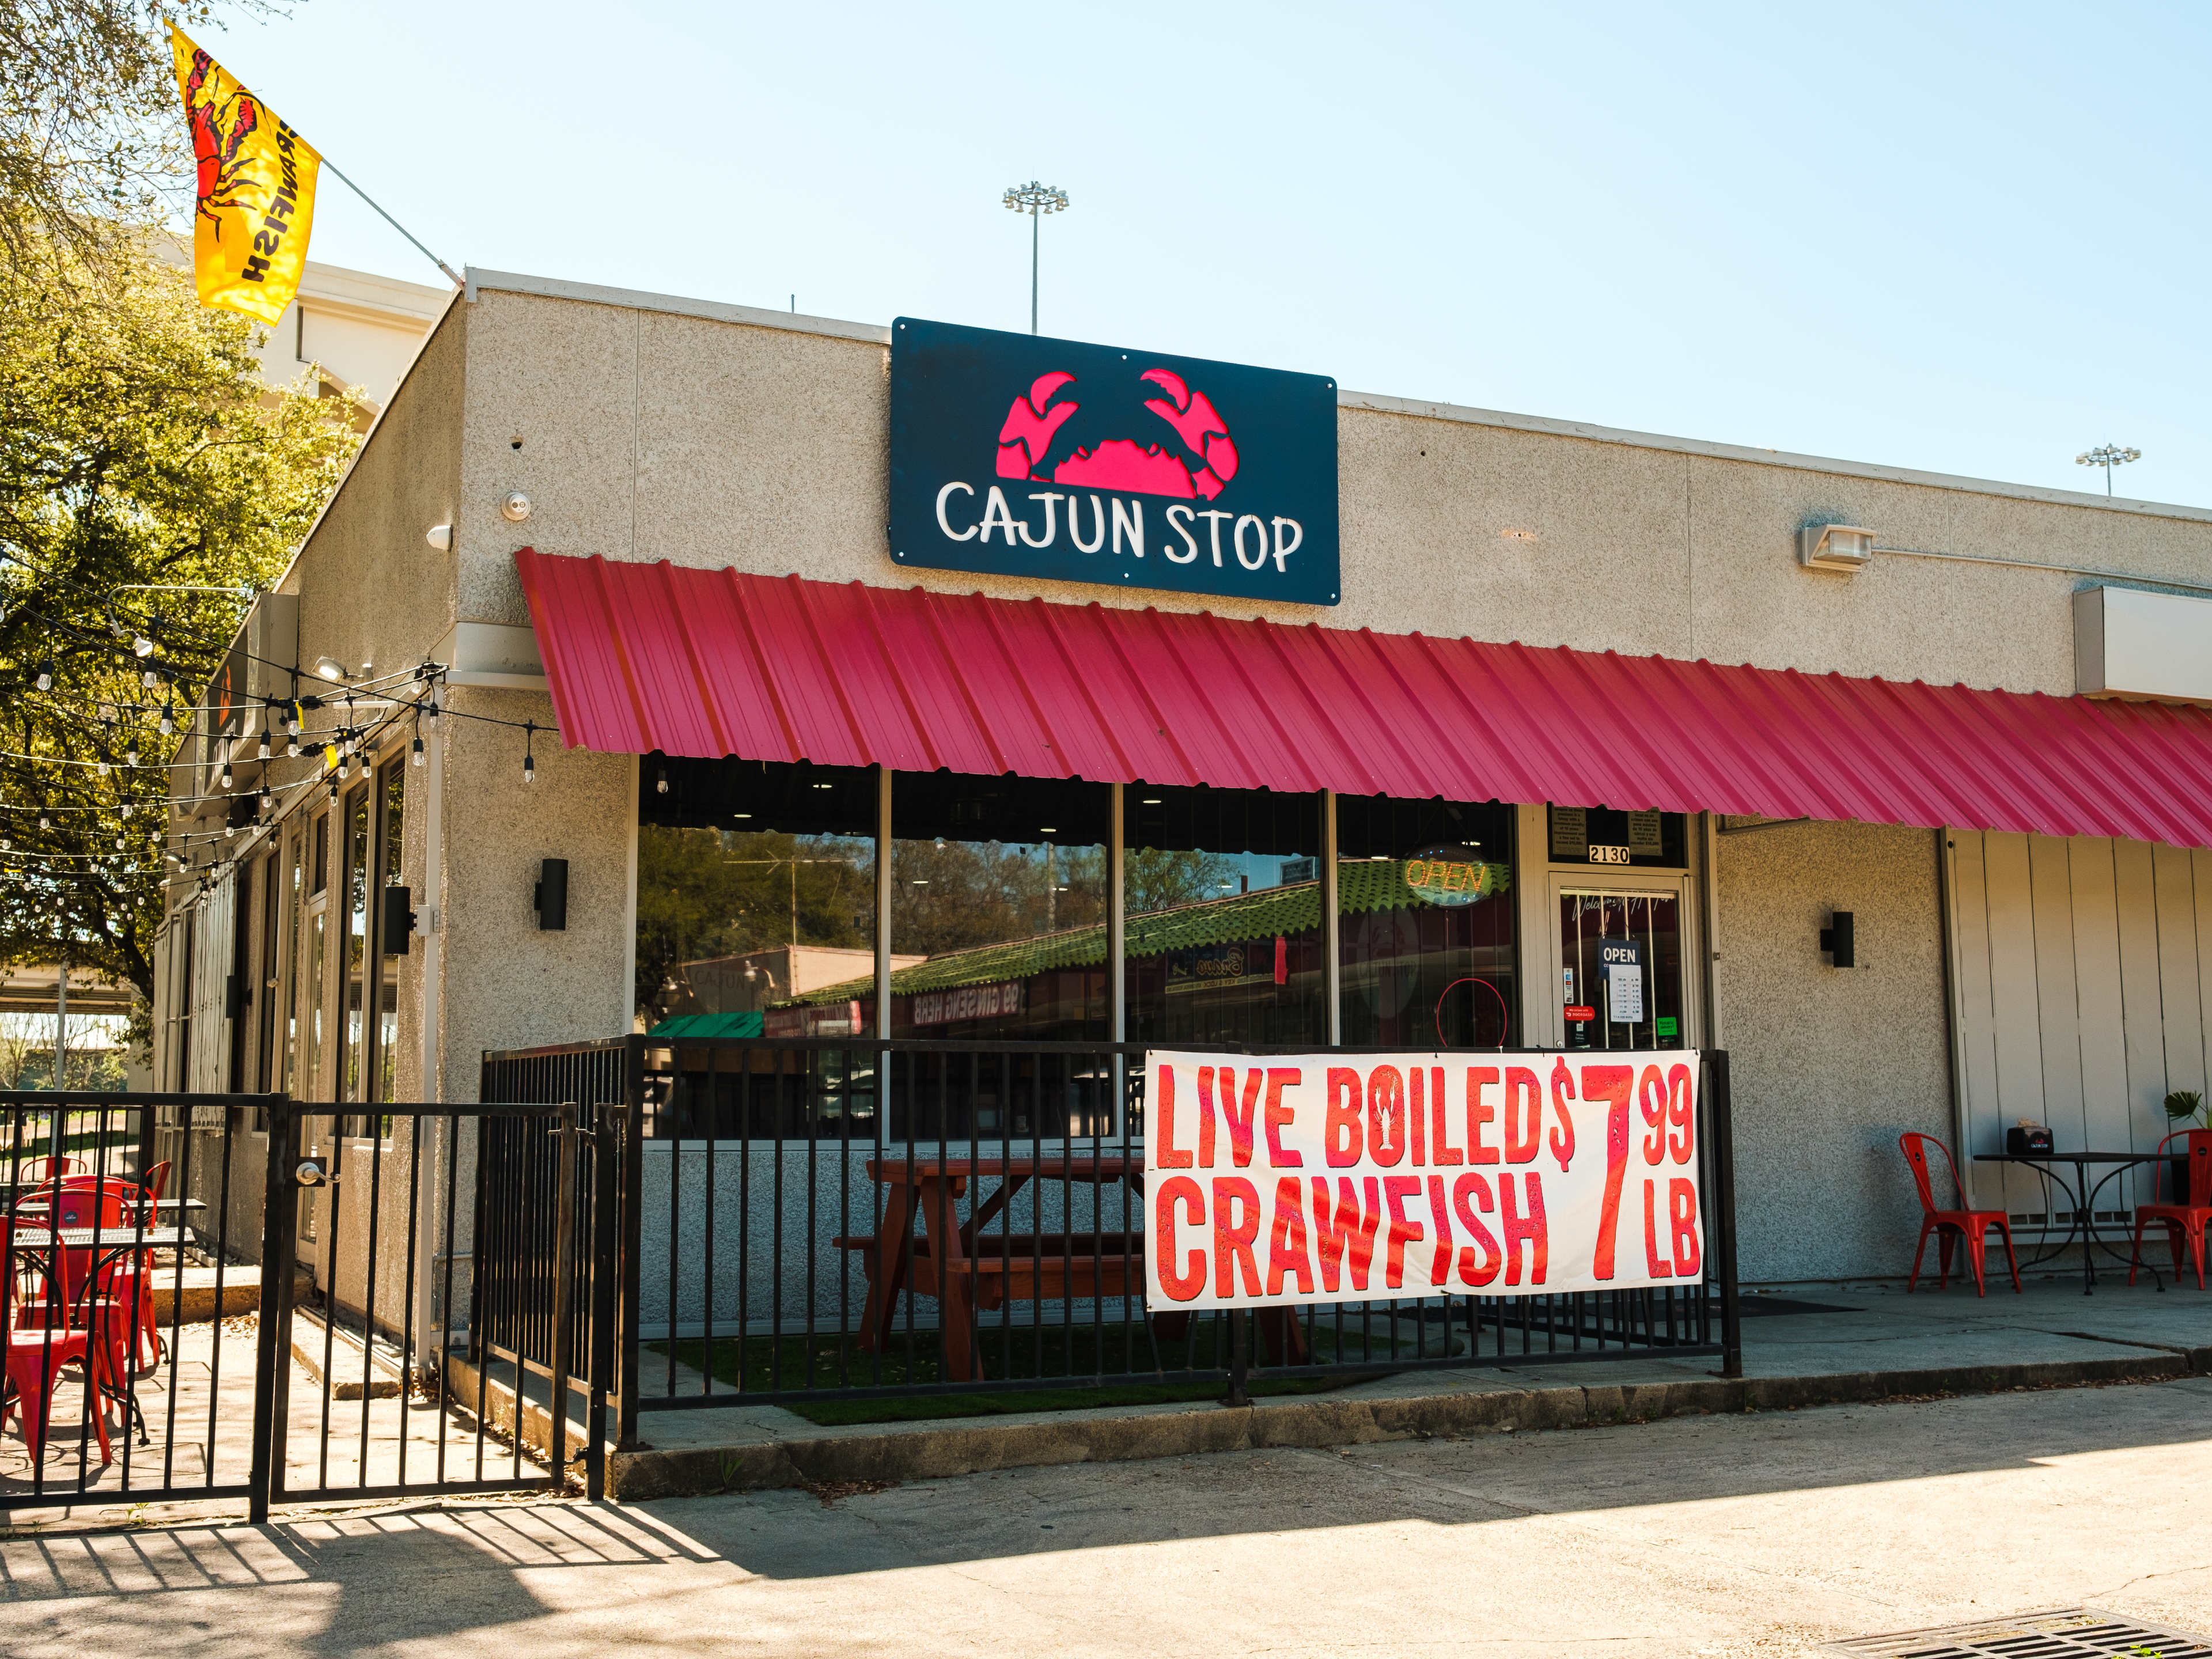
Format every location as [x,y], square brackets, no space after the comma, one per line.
[256,190]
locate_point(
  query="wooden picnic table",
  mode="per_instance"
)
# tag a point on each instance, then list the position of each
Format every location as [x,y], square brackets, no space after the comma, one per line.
[967,1268]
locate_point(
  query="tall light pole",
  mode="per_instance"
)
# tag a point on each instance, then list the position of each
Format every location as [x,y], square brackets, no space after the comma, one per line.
[1036,200]
[2107,456]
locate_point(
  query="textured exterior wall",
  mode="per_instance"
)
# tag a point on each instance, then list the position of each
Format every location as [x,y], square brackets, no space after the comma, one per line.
[507,984]
[650,435]
[1829,1065]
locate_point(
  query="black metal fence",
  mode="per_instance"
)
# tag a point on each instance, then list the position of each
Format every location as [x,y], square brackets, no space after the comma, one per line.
[756,1176]
[465,1289]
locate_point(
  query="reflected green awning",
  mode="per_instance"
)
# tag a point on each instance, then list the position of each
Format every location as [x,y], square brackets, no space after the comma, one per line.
[709,1026]
[1362,887]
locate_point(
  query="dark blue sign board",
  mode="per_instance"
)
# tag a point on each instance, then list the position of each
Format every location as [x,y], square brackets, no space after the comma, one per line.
[1049,458]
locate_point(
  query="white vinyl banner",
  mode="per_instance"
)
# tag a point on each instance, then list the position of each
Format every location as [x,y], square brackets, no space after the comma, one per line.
[1343,1178]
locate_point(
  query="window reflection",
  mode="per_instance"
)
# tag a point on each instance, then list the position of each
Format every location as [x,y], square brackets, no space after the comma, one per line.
[1424,908]
[756,896]
[999,907]
[756,917]
[1223,903]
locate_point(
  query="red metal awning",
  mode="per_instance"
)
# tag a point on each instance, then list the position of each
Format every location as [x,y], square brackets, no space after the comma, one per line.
[709,663]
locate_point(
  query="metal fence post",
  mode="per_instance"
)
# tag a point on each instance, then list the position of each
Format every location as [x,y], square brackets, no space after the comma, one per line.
[604,1135]
[629,1242]
[564,1267]
[1722,1130]
[279,1212]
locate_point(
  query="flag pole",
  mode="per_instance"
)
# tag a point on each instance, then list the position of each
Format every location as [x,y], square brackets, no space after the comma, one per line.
[396,225]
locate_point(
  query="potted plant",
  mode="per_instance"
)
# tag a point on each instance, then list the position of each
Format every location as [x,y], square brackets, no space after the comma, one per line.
[2185,1108]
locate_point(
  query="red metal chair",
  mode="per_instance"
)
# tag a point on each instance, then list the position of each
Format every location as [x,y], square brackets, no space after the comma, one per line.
[131,1281]
[2183,1219]
[37,1352]
[1970,1225]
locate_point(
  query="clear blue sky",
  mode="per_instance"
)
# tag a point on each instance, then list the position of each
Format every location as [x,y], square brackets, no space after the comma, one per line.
[1969,239]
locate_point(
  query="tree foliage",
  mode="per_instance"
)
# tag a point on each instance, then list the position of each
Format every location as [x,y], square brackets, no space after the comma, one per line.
[704,893]
[138,450]
[92,137]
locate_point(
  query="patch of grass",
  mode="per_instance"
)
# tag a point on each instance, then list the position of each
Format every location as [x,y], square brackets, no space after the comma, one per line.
[761,1363]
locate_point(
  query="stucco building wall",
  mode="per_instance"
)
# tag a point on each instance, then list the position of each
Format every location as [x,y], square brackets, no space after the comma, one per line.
[1830,1065]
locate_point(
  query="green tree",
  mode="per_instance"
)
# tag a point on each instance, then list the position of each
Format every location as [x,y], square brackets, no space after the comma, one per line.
[92,134]
[706,893]
[1159,880]
[138,450]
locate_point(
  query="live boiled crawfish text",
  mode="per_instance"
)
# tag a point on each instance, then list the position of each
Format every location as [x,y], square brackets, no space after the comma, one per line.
[1413,1174]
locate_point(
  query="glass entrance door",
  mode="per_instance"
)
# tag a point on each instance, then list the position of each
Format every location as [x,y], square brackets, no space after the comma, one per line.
[1620,968]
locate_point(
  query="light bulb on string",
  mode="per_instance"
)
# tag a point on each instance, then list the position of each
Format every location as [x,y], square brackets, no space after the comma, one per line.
[46,675]
[263,802]
[346,763]
[529,759]
[226,774]
[150,679]
[661,784]
[131,754]
[433,712]
[261,753]
[414,751]
[45,823]
[141,646]
[292,749]
[168,719]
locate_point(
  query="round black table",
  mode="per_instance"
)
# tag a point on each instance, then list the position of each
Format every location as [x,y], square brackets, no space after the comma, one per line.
[2084,1194]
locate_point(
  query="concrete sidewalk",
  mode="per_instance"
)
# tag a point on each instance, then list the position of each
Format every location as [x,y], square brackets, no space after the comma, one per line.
[1722,1537]
[1887,1345]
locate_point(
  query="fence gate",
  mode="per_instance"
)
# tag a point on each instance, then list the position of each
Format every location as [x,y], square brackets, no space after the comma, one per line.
[436,1333]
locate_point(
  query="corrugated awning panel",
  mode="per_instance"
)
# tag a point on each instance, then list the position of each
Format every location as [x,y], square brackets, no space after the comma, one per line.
[709,663]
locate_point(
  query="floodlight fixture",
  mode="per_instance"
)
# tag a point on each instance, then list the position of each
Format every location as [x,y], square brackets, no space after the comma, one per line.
[1036,200]
[2107,456]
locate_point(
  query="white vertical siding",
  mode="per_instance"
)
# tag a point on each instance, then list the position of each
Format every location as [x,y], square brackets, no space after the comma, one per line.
[2082,967]
[214,943]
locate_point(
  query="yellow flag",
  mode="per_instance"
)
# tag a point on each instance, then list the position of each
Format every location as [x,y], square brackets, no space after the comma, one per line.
[257,190]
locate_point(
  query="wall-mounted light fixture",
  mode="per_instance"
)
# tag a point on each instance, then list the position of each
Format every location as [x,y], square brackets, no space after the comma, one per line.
[439,536]
[1839,547]
[550,896]
[332,668]
[516,508]
[1837,939]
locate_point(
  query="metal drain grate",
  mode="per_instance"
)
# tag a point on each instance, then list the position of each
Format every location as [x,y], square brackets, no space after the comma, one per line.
[2073,1633]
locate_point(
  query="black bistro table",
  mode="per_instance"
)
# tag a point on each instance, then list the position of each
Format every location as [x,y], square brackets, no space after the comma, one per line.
[2054,1168]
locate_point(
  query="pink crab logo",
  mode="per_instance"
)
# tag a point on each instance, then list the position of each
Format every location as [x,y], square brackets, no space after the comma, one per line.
[1207,461]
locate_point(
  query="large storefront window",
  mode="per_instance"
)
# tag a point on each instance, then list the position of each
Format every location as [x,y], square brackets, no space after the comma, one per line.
[1223,915]
[1425,906]
[756,917]
[999,907]
[755,894]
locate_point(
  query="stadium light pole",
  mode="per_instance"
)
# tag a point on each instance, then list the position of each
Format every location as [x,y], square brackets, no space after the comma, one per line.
[1036,200]
[2107,456]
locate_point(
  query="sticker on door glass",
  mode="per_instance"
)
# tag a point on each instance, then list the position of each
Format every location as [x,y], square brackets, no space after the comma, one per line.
[1621,961]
